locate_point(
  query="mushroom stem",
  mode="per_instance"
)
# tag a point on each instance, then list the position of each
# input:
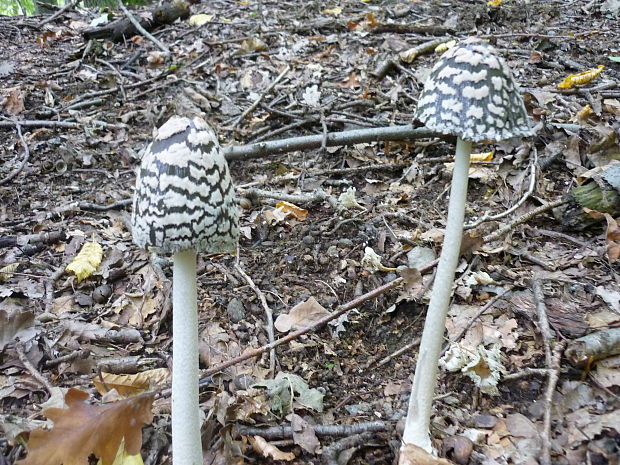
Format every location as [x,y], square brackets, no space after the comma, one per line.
[425,378]
[186,439]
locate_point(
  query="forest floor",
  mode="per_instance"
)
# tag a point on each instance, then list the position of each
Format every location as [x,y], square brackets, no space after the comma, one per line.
[77,114]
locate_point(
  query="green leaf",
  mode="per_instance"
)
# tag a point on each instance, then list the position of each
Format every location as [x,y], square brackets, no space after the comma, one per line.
[285,385]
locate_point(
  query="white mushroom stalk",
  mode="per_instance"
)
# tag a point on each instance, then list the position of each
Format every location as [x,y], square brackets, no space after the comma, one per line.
[470,94]
[184,204]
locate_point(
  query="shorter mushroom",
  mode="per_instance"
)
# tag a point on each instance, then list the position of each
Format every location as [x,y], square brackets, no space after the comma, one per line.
[184,203]
[471,94]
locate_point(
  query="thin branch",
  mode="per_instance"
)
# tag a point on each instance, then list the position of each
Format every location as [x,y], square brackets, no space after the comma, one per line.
[554,375]
[25,158]
[68,6]
[140,29]
[543,321]
[268,316]
[530,191]
[526,372]
[318,196]
[260,98]
[280,432]
[523,218]
[21,354]
[333,139]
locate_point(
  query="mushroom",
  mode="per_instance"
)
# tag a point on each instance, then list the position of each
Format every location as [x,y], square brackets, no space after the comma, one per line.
[471,94]
[183,204]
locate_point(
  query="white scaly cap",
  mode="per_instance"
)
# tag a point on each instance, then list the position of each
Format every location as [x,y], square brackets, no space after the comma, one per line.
[472,94]
[184,198]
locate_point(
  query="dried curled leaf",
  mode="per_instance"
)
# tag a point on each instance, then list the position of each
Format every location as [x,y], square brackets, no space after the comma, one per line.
[86,261]
[583,114]
[131,384]
[301,315]
[267,450]
[84,429]
[199,20]
[581,78]
[290,209]
[6,272]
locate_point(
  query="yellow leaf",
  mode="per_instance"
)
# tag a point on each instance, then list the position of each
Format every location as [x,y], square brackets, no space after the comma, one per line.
[292,209]
[6,272]
[199,20]
[333,11]
[86,261]
[445,46]
[583,114]
[488,156]
[581,78]
[123,457]
[494,2]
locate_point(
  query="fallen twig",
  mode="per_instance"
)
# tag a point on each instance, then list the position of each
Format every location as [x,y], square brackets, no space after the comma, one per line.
[280,432]
[356,136]
[142,31]
[331,453]
[25,158]
[523,218]
[260,98]
[19,348]
[554,375]
[524,197]
[552,359]
[68,6]
[268,316]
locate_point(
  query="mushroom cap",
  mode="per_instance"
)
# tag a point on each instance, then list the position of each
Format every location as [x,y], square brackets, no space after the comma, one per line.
[184,198]
[472,94]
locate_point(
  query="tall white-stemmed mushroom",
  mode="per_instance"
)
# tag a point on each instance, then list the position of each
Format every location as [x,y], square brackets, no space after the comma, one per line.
[470,94]
[184,203]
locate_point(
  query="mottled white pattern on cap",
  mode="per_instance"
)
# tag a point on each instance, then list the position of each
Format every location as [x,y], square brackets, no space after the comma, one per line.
[184,197]
[471,93]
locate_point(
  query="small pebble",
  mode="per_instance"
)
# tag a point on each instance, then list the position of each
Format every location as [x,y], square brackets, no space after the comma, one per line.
[102,293]
[244,381]
[344,242]
[333,252]
[235,310]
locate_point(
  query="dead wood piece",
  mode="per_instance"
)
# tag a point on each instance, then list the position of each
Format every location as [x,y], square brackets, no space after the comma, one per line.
[411,28]
[356,136]
[593,347]
[44,237]
[122,29]
[331,453]
[279,432]
[92,332]
[601,194]
[24,160]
